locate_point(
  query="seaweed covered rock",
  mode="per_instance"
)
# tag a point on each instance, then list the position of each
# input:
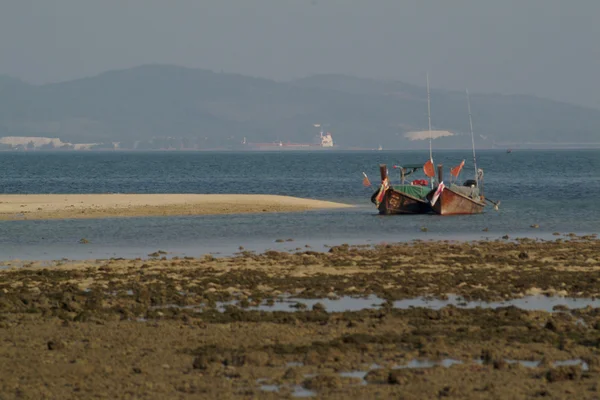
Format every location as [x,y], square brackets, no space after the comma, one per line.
[564,373]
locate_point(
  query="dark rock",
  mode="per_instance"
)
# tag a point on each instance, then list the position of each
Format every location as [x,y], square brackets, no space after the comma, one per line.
[552,326]
[398,378]
[565,373]
[234,360]
[499,363]
[447,391]
[489,356]
[299,306]
[55,345]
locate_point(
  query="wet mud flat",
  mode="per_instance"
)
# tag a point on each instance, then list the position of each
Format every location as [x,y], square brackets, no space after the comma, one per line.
[413,320]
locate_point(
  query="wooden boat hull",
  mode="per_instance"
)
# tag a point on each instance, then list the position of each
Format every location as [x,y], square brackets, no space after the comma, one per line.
[395,202]
[451,202]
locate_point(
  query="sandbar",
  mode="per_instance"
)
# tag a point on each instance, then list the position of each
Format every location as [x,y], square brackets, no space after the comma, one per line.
[68,206]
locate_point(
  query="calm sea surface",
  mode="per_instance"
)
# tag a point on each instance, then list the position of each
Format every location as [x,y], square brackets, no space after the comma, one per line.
[558,190]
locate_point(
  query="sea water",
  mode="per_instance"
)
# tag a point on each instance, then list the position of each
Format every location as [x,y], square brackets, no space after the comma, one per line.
[555,190]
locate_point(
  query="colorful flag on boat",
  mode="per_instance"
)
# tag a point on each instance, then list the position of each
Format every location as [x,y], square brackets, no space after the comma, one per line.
[429,169]
[366,182]
[384,187]
[437,193]
[456,170]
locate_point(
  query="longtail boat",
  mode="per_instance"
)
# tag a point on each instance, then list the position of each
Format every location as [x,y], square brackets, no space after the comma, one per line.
[455,199]
[405,198]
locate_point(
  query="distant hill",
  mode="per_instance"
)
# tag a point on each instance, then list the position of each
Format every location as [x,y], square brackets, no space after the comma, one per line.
[194,108]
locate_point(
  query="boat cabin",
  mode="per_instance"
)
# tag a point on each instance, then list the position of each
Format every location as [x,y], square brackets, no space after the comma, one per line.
[409,169]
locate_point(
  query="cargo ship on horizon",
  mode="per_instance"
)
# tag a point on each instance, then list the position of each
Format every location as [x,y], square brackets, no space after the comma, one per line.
[324,141]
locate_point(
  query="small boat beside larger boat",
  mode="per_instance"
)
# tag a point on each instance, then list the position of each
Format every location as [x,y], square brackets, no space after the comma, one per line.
[405,198]
[417,197]
[456,199]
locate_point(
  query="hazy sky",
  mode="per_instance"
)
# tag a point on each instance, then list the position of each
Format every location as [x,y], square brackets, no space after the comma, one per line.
[549,48]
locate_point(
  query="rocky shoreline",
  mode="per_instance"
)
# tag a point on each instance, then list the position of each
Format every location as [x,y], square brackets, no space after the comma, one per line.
[214,327]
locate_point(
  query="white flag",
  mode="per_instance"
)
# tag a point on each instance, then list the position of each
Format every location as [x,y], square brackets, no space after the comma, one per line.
[437,193]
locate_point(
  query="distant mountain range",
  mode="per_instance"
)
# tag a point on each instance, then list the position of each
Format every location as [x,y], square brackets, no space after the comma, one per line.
[162,106]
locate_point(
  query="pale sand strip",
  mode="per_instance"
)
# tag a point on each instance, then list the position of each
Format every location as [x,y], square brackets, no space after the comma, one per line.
[64,206]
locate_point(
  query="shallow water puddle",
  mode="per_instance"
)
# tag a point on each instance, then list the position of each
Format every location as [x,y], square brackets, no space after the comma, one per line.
[448,362]
[355,374]
[269,388]
[528,303]
[294,364]
[535,364]
[344,303]
[297,390]
[348,303]
[300,391]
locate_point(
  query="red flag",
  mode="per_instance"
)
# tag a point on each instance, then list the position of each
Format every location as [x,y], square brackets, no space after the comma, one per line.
[429,169]
[456,170]
[366,182]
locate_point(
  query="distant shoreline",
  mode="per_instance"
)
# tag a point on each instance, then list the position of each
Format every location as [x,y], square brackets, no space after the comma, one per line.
[71,206]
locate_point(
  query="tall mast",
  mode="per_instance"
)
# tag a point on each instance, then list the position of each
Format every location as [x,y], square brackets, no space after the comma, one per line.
[472,136]
[429,117]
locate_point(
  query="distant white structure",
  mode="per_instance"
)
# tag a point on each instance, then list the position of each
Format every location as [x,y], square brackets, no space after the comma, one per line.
[424,135]
[327,140]
[25,140]
[39,141]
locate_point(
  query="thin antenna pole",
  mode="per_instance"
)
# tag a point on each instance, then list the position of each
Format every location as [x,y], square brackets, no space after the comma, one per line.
[472,136]
[429,117]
